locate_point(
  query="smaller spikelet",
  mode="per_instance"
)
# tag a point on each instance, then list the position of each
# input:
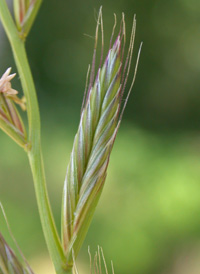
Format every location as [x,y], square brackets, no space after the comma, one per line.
[10,119]
[100,119]
[25,12]
[9,264]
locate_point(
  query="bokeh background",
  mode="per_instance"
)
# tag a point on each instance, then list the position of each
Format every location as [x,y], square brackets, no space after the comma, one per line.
[148,219]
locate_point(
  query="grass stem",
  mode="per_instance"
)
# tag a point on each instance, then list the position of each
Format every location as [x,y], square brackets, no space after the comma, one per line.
[34,153]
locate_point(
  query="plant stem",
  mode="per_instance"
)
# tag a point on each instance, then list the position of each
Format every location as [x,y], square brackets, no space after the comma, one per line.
[34,153]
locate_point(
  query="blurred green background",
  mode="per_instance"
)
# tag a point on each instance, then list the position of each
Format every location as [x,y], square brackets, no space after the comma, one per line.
[148,219]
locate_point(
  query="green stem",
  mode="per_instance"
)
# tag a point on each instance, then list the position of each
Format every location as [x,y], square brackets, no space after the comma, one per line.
[34,154]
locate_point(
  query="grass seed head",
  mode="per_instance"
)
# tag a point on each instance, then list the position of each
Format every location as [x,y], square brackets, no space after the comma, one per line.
[101,115]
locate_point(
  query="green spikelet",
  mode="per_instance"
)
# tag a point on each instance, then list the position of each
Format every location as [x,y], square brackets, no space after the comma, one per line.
[9,264]
[25,12]
[99,123]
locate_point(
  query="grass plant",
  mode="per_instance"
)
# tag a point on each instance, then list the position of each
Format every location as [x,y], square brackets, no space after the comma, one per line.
[101,115]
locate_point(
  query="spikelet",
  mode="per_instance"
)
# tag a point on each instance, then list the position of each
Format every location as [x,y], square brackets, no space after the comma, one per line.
[25,12]
[99,123]
[10,119]
[9,263]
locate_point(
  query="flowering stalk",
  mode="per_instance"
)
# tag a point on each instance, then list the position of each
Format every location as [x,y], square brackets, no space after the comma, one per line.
[93,143]
[34,151]
[100,119]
